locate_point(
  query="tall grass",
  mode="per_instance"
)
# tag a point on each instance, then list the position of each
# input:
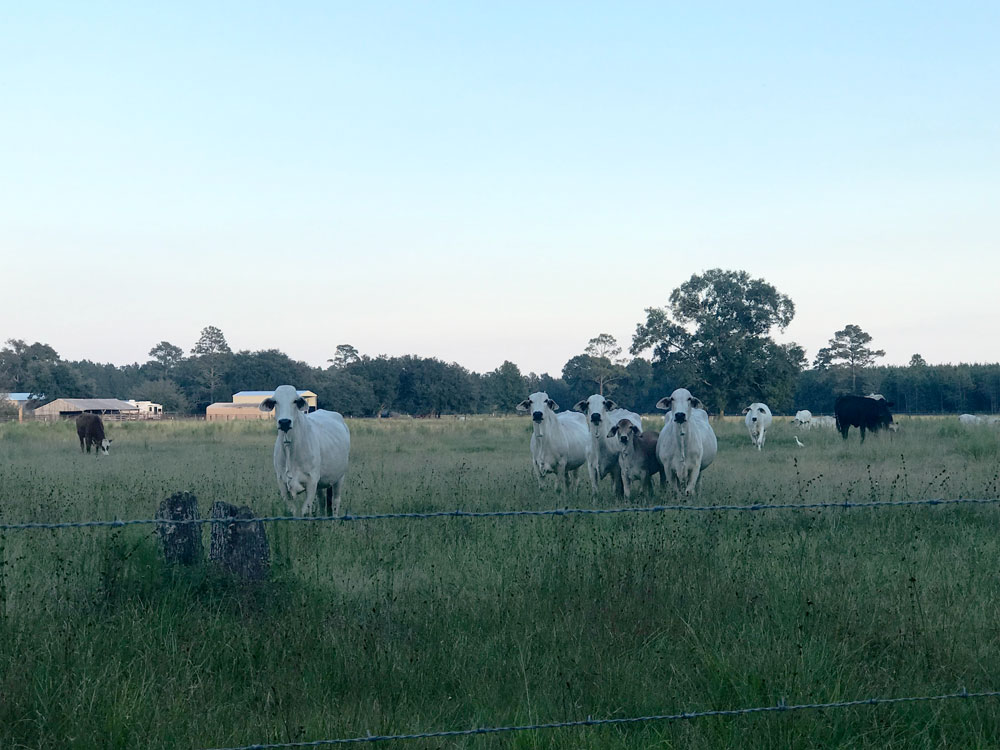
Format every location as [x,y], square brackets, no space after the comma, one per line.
[399,626]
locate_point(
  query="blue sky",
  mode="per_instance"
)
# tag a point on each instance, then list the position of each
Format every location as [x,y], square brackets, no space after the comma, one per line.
[487,183]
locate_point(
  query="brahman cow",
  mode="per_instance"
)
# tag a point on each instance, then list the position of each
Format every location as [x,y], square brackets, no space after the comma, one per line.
[862,412]
[600,413]
[970,419]
[687,443]
[758,419]
[637,459]
[310,451]
[560,443]
[803,419]
[90,430]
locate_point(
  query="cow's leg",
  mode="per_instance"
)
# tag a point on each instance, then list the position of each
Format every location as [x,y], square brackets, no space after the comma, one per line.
[618,478]
[562,477]
[843,430]
[862,428]
[81,444]
[307,505]
[334,494]
[692,483]
[594,473]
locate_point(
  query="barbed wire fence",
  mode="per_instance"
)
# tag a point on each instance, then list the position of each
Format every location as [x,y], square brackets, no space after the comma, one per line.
[349,517]
[779,708]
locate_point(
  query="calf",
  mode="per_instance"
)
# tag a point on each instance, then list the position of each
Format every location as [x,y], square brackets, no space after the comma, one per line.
[637,456]
[560,443]
[601,412]
[90,430]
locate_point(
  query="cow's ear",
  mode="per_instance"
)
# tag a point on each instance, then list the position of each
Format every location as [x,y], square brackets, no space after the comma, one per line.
[267,404]
[552,405]
[613,431]
[762,410]
[523,406]
[747,410]
[696,403]
[110,441]
[665,403]
[635,430]
[609,404]
[580,406]
[301,404]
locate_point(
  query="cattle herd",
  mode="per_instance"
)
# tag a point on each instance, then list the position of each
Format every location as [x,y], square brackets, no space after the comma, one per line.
[311,449]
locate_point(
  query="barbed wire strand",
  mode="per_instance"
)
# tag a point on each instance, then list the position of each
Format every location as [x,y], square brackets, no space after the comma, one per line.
[346,518]
[589,722]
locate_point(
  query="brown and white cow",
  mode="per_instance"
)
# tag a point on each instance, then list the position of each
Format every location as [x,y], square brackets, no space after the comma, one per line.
[90,430]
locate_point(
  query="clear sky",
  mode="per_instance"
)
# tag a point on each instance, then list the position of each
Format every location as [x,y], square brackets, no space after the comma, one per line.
[481,182]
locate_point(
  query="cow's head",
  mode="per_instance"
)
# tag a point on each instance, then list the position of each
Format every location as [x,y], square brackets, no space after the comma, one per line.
[105,444]
[755,411]
[680,404]
[596,408]
[288,405]
[626,432]
[537,404]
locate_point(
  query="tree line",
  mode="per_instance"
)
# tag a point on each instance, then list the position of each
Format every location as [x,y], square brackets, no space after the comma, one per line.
[714,337]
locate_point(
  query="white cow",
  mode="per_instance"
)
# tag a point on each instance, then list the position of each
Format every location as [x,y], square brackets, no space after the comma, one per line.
[803,419]
[601,413]
[560,443]
[687,443]
[970,419]
[310,452]
[758,419]
[823,422]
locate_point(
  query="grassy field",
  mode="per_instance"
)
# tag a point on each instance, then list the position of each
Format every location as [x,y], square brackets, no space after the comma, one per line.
[406,626]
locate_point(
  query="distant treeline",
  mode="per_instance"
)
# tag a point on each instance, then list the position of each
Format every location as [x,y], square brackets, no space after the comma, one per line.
[368,386]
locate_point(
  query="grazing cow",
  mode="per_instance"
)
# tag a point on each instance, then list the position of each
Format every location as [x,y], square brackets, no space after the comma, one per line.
[310,451]
[970,419]
[637,459]
[803,419]
[90,430]
[687,443]
[862,412]
[560,443]
[758,419]
[601,412]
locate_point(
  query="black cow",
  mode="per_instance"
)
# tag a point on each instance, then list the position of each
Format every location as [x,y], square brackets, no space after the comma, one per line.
[90,430]
[862,412]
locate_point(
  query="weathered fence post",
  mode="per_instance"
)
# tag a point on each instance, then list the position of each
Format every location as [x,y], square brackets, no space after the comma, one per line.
[240,548]
[181,541]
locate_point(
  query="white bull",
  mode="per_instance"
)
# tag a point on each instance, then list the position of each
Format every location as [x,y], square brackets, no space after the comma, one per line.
[560,443]
[687,443]
[758,420]
[310,452]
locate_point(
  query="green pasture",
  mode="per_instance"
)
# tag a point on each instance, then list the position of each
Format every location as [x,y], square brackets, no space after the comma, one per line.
[398,626]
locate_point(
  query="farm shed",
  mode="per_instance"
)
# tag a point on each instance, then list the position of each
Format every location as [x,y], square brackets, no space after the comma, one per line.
[148,409]
[110,408]
[20,400]
[255,397]
[223,411]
